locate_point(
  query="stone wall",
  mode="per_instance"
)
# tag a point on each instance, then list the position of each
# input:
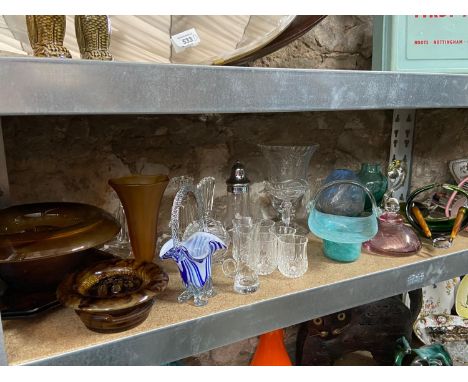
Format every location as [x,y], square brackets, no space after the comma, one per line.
[71,158]
[338,42]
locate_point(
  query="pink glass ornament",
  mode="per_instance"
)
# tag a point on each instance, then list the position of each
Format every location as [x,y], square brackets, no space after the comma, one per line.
[393,237]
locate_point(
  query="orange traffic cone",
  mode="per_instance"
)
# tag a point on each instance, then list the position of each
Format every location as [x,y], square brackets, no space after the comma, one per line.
[271,350]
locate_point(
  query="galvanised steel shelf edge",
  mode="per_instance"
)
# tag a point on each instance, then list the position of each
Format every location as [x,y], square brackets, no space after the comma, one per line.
[32,86]
[192,337]
[3,356]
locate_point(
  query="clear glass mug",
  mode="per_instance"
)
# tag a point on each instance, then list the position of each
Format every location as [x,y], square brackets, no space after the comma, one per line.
[242,267]
[292,255]
[258,225]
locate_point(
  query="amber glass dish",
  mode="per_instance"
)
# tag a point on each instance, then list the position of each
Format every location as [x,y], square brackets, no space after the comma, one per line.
[48,229]
[113,295]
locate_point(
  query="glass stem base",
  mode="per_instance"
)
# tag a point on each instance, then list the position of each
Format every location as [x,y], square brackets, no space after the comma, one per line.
[442,242]
[246,285]
[200,295]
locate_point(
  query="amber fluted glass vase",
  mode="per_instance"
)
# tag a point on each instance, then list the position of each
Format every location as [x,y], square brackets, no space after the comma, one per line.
[141,197]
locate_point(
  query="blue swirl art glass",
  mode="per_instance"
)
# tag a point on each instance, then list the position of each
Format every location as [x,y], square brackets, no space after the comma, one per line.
[342,235]
[342,199]
[193,255]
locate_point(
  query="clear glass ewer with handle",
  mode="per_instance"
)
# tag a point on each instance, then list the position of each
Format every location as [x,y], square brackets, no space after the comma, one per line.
[206,188]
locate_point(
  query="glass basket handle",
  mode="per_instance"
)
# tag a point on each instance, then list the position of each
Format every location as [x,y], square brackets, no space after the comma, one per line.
[350,182]
[180,196]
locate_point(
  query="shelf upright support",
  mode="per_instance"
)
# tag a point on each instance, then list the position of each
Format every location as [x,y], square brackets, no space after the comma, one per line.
[4,185]
[401,146]
[4,196]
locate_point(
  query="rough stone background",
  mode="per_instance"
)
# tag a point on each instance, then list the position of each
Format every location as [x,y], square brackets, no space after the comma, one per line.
[71,158]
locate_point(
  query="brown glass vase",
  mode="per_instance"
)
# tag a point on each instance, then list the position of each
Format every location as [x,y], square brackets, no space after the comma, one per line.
[141,197]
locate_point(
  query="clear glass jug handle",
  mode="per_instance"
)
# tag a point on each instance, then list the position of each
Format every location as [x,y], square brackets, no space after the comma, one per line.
[229,267]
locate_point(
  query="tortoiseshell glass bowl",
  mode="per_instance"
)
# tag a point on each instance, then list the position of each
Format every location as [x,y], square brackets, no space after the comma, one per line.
[115,295]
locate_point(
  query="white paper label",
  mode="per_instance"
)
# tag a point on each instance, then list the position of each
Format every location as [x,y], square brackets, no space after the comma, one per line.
[185,40]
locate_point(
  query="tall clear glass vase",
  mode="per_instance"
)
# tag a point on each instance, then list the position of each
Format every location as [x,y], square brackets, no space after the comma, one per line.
[287,177]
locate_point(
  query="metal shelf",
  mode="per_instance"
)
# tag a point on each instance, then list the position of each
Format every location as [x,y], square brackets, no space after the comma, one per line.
[173,331]
[31,86]
[46,86]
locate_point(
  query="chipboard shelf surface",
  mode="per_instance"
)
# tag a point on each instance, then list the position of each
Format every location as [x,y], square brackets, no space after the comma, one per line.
[174,331]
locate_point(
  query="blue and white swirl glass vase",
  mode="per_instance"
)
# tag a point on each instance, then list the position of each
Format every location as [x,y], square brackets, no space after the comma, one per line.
[194,254]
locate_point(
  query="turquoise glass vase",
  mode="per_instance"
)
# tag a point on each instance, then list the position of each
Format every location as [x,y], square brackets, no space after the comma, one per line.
[370,175]
[342,235]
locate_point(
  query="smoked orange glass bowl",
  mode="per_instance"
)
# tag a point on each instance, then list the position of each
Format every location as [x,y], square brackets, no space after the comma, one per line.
[40,243]
[114,295]
[430,202]
[49,229]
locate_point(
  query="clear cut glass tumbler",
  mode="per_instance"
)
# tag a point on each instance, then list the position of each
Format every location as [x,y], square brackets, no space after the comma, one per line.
[292,255]
[265,246]
[264,225]
[241,266]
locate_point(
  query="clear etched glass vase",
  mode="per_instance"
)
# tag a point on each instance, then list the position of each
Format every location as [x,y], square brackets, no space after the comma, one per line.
[287,177]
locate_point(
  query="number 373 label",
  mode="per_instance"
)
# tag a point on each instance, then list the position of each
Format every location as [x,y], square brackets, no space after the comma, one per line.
[185,40]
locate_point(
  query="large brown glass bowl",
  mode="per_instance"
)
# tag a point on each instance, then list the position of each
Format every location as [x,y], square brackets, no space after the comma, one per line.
[40,230]
[114,295]
[40,243]
[41,274]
